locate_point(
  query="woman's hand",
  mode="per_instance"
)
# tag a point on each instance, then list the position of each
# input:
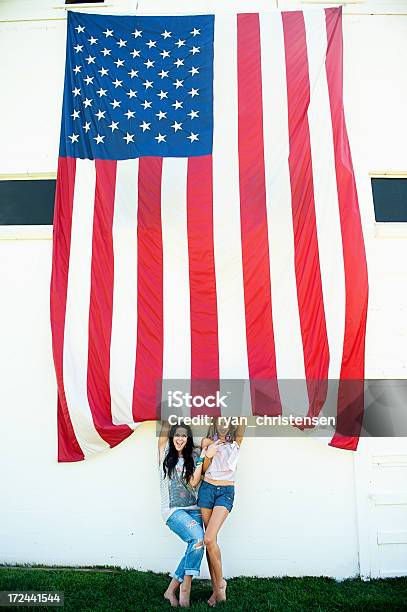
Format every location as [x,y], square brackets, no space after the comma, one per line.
[212,449]
[205,442]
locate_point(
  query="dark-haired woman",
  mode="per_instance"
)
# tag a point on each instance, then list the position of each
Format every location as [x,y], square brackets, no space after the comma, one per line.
[180,466]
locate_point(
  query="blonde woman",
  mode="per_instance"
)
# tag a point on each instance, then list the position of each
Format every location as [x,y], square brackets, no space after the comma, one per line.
[216,494]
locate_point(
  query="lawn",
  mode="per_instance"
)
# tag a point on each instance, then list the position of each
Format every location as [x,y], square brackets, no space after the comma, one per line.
[119,590]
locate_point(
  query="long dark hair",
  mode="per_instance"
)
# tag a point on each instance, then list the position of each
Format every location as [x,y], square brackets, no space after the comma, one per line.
[172,456]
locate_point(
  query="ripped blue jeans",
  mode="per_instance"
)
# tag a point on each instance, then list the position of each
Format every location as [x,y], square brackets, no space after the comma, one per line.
[188,525]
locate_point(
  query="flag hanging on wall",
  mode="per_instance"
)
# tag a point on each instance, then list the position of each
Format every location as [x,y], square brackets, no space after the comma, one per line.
[206,221]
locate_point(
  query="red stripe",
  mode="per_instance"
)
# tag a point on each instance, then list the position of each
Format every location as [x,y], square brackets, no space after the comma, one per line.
[351,394]
[307,266]
[68,446]
[253,217]
[204,314]
[149,353]
[101,307]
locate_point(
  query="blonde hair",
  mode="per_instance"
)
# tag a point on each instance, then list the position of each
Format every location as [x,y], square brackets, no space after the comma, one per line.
[213,428]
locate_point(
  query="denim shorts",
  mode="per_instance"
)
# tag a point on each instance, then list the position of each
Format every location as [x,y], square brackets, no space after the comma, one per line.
[211,495]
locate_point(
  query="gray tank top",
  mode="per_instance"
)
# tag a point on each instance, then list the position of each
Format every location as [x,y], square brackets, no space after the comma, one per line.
[176,494]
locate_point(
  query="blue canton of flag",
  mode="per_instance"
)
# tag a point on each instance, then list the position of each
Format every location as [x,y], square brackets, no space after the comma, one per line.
[138,86]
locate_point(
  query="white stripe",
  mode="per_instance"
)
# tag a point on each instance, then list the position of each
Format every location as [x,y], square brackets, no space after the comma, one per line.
[326,200]
[176,299]
[124,316]
[233,360]
[286,319]
[75,359]
[325,190]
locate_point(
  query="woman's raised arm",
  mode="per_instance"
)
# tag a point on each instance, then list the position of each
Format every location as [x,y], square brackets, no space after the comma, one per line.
[163,437]
[240,433]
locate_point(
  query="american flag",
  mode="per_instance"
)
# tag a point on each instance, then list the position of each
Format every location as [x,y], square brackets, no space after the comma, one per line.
[206,222]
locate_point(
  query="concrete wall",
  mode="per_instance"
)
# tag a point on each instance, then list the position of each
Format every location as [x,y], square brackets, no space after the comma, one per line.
[296,508]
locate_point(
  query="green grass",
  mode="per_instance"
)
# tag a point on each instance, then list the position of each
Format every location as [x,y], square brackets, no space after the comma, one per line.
[120,590]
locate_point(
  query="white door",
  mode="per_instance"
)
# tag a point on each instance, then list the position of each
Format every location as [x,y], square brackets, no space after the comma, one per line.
[381,505]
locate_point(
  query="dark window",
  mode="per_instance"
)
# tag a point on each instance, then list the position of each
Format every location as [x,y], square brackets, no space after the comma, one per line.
[83,1]
[27,202]
[390,199]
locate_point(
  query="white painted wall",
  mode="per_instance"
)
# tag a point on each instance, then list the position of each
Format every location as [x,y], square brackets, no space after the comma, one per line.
[296,510]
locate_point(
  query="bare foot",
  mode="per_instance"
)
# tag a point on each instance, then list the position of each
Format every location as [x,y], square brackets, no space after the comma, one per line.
[183,598]
[221,592]
[172,598]
[212,600]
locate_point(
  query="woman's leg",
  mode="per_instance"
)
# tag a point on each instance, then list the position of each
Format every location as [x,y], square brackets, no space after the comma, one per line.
[193,555]
[188,526]
[206,515]
[170,592]
[216,520]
